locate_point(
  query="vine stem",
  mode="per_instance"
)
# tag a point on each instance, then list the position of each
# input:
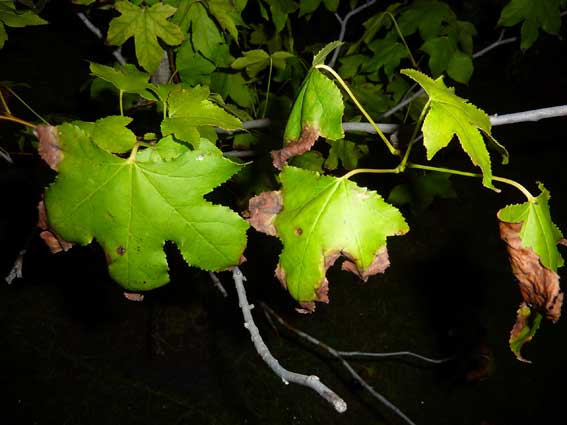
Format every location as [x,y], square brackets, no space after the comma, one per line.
[337,77]
[267,90]
[510,182]
[310,381]
[17,120]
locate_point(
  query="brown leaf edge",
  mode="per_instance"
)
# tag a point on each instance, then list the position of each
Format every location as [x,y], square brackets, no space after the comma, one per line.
[49,148]
[53,241]
[539,286]
[262,210]
[309,136]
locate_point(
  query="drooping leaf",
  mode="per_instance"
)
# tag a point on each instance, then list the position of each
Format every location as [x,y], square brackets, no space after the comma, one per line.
[189,109]
[145,24]
[318,219]
[317,111]
[126,78]
[450,115]
[531,238]
[132,207]
[544,14]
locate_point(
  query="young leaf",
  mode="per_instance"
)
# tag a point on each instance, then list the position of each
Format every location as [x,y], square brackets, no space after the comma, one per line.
[126,78]
[131,208]
[531,238]
[450,115]
[544,14]
[322,54]
[110,133]
[145,24]
[317,111]
[189,109]
[318,219]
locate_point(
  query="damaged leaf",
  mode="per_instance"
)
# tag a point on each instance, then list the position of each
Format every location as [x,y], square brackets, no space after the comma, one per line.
[532,238]
[131,207]
[527,324]
[451,115]
[323,218]
[317,111]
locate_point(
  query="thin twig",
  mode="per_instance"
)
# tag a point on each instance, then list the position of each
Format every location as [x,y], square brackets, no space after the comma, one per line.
[365,355]
[218,284]
[16,272]
[334,353]
[92,28]
[344,22]
[500,42]
[310,381]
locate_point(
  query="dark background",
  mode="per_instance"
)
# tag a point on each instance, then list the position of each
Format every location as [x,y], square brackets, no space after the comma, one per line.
[74,351]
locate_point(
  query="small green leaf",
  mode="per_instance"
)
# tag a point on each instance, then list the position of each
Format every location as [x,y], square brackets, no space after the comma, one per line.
[16,18]
[131,208]
[145,24]
[311,160]
[347,152]
[450,115]
[324,217]
[124,77]
[189,109]
[235,87]
[427,16]
[544,14]
[253,61]
[387,54]
[538,231]
[318,105]
[321,55]
[280,9]
[110,133]
[460,67]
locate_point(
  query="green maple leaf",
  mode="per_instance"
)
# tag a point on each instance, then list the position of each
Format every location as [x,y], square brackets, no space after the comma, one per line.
[254,61]
[387,54]
[145,24]
[324,217]
[131,207]
[126,78]
[427,16]
[12,17]
[544,14]
[450,115]
[538,231]
[190,109]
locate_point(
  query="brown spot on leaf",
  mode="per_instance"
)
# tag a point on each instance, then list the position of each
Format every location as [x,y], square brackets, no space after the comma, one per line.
[49,148]
[538,284]
[308,138]
[120,250]
[262,210]
[379,265]
[53,241]
[299,231]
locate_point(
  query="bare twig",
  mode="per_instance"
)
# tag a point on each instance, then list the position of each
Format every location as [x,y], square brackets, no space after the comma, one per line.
[16,272]
[365,355]
[310,381]
[500,42]
[218,284]
[533,115]
[336,354]
[344,22]
[92,28]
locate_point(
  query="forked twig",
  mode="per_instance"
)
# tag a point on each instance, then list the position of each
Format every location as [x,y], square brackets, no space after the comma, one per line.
[310,381]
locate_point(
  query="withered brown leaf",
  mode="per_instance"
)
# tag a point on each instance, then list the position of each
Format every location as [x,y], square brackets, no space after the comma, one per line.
[308,138]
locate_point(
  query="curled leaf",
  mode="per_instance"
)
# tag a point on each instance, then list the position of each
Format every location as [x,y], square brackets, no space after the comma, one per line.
[308,138]
[49,148]
[262,210]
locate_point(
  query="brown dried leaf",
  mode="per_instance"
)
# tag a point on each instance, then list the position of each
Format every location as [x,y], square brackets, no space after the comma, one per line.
[52,240]
[262,210]
[308,138]
[538,284]
[49,148]
[379,265]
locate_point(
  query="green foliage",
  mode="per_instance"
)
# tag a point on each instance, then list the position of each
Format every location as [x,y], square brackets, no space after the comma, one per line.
[544,14]
[131,207]
[10,16]
[450,115]
[145,24]
[324,217]
[421,191]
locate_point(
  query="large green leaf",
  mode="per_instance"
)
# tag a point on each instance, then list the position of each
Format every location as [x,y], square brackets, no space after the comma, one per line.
[133,207]
[323,217]
[451,115]
[189,109]
[544,14]
[145,24]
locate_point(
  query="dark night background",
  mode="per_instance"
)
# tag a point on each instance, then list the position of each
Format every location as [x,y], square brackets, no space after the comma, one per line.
[74,351]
